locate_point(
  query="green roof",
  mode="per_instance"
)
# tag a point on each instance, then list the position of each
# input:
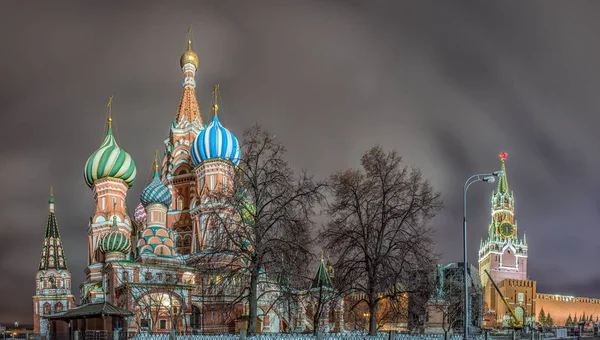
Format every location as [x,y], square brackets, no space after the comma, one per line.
[322,278]
[503,181]
[53,255]
[93,309]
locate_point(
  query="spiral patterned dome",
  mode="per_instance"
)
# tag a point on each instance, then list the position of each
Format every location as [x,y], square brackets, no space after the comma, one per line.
[110,161]
[139,214]
[156,192]
[115,241]
[215,141]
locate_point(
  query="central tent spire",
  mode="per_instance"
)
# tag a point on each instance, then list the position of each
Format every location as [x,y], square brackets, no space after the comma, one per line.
[503,182]
[188,111]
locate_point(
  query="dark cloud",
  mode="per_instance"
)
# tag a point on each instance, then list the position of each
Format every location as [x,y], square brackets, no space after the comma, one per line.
[447,84]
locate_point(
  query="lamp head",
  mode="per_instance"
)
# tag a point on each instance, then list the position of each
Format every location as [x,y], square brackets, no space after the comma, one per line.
[489,179]
[498,173]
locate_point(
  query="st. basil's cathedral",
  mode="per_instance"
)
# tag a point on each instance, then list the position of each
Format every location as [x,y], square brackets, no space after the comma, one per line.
[148,268]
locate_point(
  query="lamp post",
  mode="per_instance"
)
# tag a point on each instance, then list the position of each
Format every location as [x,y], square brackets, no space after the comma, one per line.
[489,178]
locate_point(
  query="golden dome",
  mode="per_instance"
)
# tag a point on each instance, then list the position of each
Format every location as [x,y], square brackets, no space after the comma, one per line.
[189,57]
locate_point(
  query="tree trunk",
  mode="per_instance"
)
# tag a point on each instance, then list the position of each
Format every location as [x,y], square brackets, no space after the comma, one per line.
[318,311]
[373,317]
[252,302]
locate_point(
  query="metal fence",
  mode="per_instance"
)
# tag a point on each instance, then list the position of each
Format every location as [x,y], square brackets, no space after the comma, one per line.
[304,336]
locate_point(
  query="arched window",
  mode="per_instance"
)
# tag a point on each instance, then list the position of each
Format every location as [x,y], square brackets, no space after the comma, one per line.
[47,308]
[58,307]
[180,202]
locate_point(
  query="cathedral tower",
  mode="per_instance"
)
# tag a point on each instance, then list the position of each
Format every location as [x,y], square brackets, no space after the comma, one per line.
[503,254]
[53,278]
[109,172]
[177,169]
[157,242]
[215,154]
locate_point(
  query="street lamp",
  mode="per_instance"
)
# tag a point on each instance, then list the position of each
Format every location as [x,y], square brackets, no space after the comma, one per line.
[489,178]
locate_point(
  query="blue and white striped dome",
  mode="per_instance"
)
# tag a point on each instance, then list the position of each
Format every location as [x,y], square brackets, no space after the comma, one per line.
[215,141]
[156,193]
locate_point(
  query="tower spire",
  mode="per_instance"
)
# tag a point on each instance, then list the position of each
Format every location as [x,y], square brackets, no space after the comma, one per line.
[51,199]
[503,182]
[188,106]
[52,250]
[215,94]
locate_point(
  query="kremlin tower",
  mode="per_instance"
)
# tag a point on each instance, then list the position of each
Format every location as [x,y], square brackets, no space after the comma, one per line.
[504,256]
[53,278]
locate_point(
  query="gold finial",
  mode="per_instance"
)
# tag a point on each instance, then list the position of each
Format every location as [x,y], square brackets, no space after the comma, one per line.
[156,161]
[109,105]
[189,38]
[215,106]
[322,254]
[189,57]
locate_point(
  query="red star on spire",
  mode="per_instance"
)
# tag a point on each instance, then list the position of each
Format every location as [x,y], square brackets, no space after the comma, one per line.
[503,156]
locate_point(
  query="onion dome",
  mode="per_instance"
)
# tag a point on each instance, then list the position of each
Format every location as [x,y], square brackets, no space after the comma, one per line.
[215,141]
[189,56]
[139,215]
[110,160]
[156,192]
[115,241]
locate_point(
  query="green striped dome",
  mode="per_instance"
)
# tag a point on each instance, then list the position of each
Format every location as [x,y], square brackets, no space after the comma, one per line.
[115,241]
[110,161]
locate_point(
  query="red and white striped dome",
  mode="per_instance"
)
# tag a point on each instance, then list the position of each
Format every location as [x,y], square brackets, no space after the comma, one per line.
[140,213]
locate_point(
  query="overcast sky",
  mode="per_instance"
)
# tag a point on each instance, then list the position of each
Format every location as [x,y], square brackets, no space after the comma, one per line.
[448,84]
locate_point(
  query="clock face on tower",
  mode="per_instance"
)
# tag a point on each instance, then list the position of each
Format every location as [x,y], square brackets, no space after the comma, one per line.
[506,229]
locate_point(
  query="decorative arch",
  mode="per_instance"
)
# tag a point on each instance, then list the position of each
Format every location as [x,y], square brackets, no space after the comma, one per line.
[47,309]
[162,250]
[180,202]
[196,317]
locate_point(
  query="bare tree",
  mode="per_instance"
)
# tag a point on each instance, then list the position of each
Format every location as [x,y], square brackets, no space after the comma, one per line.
[264,215]
[377,227]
